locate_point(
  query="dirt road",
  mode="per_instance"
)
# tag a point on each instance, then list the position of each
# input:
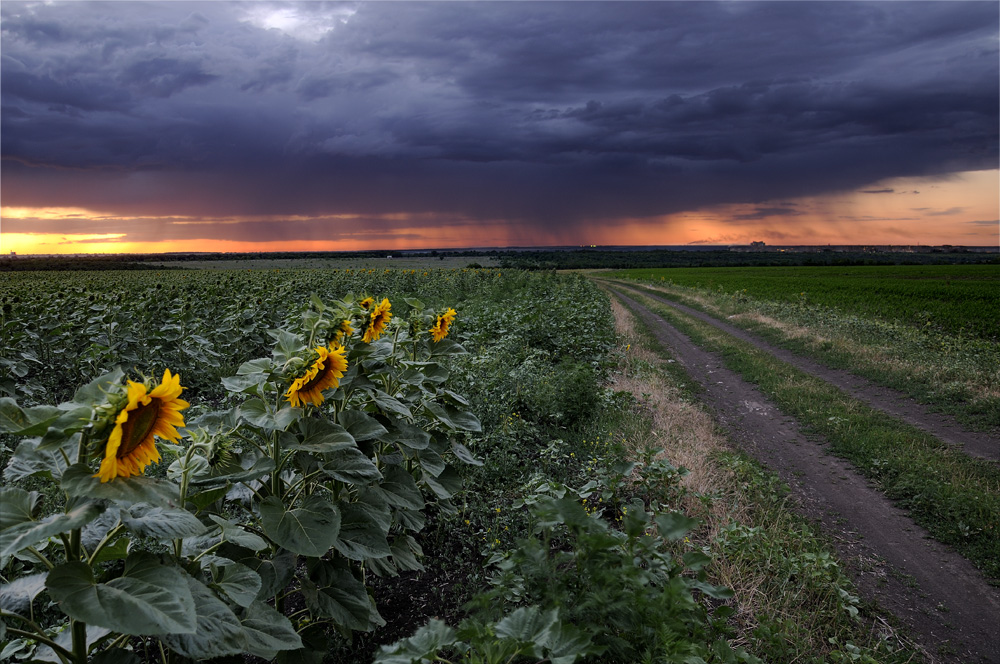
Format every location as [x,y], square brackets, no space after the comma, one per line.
[945,601]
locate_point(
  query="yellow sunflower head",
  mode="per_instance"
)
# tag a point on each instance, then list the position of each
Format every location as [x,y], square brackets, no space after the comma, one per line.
[146,414]
[345,330]
[323,374]
[440,328]
[378,321]
[367,303]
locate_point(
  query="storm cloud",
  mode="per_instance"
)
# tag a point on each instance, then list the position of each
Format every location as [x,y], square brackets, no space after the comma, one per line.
[539,113]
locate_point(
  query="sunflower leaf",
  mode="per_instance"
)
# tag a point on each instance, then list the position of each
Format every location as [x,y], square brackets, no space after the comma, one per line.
[161,523]
[239,583]
[149,599]
[350,465]
[265,631]
[321,437]
[18,595]
[361,535]
[331,591]
[16,506]
[309,530]
[29,461]
[21,536]
[96,391]
[79,481]
[217,631]
[361,425]
[28,421]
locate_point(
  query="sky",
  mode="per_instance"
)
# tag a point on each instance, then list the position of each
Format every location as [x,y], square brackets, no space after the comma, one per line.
[278,126]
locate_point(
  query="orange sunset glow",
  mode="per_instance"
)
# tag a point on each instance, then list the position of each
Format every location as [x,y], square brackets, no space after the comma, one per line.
[959,210]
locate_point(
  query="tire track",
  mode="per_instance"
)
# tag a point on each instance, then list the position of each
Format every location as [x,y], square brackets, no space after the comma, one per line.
[945,601]
[943,427]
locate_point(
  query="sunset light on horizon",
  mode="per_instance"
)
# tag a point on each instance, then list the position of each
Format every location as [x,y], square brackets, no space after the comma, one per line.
[148,127]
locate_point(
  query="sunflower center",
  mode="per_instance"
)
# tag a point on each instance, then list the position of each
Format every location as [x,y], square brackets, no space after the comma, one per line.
[320,375]
[138,426]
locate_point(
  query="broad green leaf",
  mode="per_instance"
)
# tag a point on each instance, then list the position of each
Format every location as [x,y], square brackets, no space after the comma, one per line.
[361,425]
[567,643]
[361,536]
[161,523]
[451,417]
[149,599]
[310,529]
[446,347]
[217,632]
[423,646]
[249,383]
[332,592]
[372,501]
[16,506]
[400,489]
[320,437]
[411,436]
[431,461]
[29,461]
[275,574]
[64,426]
[288,345]
[19,537]
[405,552]
[258,413]
[674,525]
[445,485]
[391,405]
[239,583]
[232,532]
[17,595]
[465,454]
[28,421]
[195,466]
[265,631]
[79,481]
[696,560]
[285,416]
[350,465]
[95,531]
[95,392]
[65,639]
[527,625]
[716,592]
[203,499]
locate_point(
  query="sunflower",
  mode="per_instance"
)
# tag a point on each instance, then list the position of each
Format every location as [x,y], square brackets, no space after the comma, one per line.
[130,447]
[324,373]
[345,329]
[367,303]
[378,321]
[440,329]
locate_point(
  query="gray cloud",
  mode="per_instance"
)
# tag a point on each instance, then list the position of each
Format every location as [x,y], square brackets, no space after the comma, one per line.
[548,113]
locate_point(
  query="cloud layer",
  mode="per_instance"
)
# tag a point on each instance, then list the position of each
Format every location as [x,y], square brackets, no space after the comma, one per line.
[538,113]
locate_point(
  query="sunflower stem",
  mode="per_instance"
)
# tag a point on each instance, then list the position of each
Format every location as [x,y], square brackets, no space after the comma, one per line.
[79,641]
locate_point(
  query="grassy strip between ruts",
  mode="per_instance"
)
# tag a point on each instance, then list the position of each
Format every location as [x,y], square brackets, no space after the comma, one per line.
[793,601]
[955,497]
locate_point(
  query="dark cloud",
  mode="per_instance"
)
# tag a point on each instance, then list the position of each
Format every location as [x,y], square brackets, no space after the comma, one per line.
[543,112]
[879,191]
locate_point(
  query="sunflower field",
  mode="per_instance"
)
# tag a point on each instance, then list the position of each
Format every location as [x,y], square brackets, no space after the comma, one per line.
[328,465]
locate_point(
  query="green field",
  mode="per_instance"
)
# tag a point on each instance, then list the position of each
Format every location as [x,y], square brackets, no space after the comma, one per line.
[953,298]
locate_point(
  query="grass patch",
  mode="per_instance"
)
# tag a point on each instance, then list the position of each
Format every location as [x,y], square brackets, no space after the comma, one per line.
[957,498]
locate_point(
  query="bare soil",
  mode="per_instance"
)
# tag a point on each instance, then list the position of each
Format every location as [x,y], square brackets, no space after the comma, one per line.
[946,603]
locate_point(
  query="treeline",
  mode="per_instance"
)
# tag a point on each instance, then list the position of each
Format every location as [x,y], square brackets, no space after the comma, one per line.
[597,259]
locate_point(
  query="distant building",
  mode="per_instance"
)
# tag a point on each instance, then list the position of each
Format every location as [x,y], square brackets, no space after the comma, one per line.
[13,254]
[758,243]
